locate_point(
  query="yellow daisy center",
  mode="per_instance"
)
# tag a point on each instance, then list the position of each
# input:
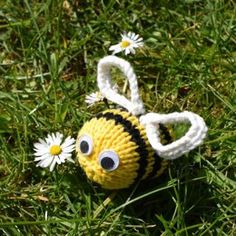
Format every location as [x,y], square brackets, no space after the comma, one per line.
[125,44]
[55,150]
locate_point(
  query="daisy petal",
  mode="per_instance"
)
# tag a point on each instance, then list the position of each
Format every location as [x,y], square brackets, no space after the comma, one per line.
[45,162]
[114,47]
[42,157]
[52,166]
[41,152]
[132,50]
[135,38]
[40,146]
[68,149]
[68,142]
[70,159]
[127,51]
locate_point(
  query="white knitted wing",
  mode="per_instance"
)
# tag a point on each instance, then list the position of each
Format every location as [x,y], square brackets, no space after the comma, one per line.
[189,141]
[135,105]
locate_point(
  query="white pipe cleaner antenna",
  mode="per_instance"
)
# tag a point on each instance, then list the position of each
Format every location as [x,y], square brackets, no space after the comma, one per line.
[194,136]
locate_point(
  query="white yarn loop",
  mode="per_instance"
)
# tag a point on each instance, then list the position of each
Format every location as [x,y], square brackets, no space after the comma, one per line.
[151,121]
[193,138]
[135,105]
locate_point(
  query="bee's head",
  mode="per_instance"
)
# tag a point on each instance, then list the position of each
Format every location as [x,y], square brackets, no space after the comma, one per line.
[106,152]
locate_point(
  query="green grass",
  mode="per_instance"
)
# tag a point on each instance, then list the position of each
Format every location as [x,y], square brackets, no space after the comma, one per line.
[48,60]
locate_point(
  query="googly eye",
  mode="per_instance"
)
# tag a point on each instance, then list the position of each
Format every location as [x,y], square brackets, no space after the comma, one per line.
[85,145]
[109,160]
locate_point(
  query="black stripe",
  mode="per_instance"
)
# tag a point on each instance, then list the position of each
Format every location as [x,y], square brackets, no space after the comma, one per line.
[164,131]
[135,137]
[157,160]
[156,165]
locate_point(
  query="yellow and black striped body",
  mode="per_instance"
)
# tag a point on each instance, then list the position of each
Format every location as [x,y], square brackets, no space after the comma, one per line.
[121,134]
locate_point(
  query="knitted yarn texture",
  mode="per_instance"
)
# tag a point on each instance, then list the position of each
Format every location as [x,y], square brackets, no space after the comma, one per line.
[118,136]
[151,121]
[116,148]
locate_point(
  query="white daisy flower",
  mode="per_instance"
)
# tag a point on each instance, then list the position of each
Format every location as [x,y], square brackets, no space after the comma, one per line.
[52,150]
[93,98]
[128,43]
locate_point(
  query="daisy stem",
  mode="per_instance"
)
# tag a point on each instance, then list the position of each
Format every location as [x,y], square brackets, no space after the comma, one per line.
[56,179]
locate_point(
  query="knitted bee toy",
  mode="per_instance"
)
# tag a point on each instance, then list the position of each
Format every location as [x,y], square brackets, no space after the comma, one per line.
[120,146]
